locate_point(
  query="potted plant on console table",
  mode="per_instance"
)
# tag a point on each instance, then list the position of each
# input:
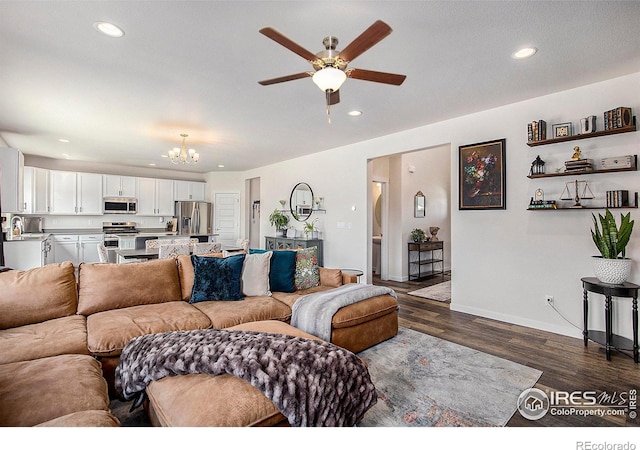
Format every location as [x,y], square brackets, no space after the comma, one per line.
[280,221]
[612,266]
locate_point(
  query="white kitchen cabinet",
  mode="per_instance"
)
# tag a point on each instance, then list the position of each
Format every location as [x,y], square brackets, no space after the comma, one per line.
[75,193]
[190,190]
[25,255]
[77,248]
[118,186]
[155,197]
[89,247]
[12,178]
[65,248]
[126,242]
[36,190]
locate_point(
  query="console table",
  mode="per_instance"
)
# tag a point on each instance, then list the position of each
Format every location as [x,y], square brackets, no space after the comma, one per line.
[284,243]
[607,338]
[422,261]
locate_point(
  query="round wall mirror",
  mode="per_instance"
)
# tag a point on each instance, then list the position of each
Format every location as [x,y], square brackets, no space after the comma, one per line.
[301,202]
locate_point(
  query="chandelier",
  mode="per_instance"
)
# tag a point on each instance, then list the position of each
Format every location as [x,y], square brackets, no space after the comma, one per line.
[182,155]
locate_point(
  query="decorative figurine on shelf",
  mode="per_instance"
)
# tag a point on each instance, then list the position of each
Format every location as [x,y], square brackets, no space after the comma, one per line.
[577,154]
[434,231]
[537,166]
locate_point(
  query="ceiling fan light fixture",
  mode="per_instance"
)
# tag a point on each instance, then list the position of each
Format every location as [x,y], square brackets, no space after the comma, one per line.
[329,79]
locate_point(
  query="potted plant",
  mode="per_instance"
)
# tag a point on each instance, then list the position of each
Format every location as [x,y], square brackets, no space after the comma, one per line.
[612,266]
[279,221]
[310,230]
[417,235]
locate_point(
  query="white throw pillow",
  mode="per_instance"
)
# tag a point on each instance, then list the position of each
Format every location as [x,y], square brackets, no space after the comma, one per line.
[255,274]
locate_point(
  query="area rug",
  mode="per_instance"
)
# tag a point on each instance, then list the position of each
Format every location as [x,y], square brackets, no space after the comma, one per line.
[424,381]
[440,292]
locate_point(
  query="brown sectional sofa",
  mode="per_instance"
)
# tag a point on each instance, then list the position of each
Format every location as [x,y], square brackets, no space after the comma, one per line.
[64,338]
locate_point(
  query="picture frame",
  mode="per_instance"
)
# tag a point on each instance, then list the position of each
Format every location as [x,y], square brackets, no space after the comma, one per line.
[562,129]
[482,175]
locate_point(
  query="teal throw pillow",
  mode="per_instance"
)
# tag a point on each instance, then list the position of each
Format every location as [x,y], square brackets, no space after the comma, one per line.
[282,270]
[217,278]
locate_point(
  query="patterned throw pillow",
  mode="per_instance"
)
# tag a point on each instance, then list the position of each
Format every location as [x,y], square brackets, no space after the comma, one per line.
[216,278]
[307,272]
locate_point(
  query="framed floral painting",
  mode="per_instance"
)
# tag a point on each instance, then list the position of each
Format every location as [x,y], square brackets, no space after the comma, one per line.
[482,175]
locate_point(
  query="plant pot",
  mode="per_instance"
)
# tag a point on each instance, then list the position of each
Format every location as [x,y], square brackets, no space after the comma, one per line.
[612,271]
[281,233]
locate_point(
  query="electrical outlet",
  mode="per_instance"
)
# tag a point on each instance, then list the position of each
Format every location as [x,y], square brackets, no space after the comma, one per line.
[548,300]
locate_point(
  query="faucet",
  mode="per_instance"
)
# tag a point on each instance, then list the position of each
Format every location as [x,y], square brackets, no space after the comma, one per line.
[16,226]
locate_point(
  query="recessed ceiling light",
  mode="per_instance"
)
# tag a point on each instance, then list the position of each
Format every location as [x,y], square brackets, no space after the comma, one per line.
[64,140]
[152,164]
[355,113]
[221,165]
[523,53]
[66,155]
[164,156]
[108,29]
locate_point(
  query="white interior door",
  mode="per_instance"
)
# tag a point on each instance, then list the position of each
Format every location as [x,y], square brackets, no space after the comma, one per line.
[226,217]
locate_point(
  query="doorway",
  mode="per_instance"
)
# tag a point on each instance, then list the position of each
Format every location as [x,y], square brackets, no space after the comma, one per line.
[379,220]
[227,217]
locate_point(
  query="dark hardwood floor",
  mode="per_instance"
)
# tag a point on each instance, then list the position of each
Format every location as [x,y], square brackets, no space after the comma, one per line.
[565,363]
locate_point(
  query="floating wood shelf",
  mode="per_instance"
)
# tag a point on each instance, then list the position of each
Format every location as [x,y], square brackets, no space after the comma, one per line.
[570,173]
[577,137]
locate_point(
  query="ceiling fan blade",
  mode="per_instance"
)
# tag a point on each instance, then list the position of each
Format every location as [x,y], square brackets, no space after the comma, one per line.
[370,37]
[281,39]
[296,76]
[377,77]
[334,98]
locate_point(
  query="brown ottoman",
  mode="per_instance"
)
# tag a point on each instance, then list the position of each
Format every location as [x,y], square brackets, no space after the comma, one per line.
[201,400]
[360,325]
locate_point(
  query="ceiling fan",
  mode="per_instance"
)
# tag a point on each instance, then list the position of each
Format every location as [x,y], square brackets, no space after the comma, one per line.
[331,65]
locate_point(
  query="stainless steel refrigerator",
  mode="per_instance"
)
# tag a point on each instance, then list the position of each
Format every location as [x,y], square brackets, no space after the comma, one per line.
[194,218]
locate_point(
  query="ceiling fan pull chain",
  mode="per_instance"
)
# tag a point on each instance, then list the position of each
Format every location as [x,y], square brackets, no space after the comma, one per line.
[328,96]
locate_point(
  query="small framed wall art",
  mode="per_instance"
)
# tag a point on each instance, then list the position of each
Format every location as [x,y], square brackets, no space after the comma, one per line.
[482,172]
[562,130]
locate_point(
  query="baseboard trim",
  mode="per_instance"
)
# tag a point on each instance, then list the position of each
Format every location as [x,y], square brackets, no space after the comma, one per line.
[562,330]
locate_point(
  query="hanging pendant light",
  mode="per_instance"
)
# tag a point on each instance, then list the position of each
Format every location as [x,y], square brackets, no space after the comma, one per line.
[182,155]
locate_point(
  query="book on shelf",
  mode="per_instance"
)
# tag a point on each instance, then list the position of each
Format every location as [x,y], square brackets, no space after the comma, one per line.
[537,130]
[617,199]
[578,165]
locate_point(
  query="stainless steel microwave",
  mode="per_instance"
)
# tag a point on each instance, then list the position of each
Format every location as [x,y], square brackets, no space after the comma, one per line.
[119,205]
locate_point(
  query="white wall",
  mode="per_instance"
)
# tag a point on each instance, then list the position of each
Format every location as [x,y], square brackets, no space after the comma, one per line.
[503,261]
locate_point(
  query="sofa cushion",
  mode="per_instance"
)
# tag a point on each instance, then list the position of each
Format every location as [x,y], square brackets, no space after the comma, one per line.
[33,392]
[307,273]
[84,419]
[62,336]
[282,270]
[223,314]
[104,287]
[109,331]
[200,400]
[36,295]
[364,311]
[217,278]
[255,274]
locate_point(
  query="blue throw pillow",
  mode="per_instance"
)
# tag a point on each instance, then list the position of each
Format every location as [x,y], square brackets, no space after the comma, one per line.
[216,278]
[282,270]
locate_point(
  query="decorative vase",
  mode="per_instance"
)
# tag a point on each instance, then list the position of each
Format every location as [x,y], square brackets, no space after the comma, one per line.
[612,271]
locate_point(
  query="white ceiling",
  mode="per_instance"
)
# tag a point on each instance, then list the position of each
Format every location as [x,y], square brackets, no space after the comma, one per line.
[194,67]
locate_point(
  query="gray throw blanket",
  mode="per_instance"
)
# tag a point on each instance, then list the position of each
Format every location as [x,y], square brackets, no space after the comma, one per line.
[313,313]
[312,383]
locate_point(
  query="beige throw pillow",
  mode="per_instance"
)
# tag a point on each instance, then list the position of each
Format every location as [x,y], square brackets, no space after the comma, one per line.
[255,274]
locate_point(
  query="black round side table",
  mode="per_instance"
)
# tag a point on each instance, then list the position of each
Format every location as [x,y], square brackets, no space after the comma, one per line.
[607,338]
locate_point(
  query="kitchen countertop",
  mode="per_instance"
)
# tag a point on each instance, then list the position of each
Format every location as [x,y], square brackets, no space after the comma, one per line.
[28,237]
